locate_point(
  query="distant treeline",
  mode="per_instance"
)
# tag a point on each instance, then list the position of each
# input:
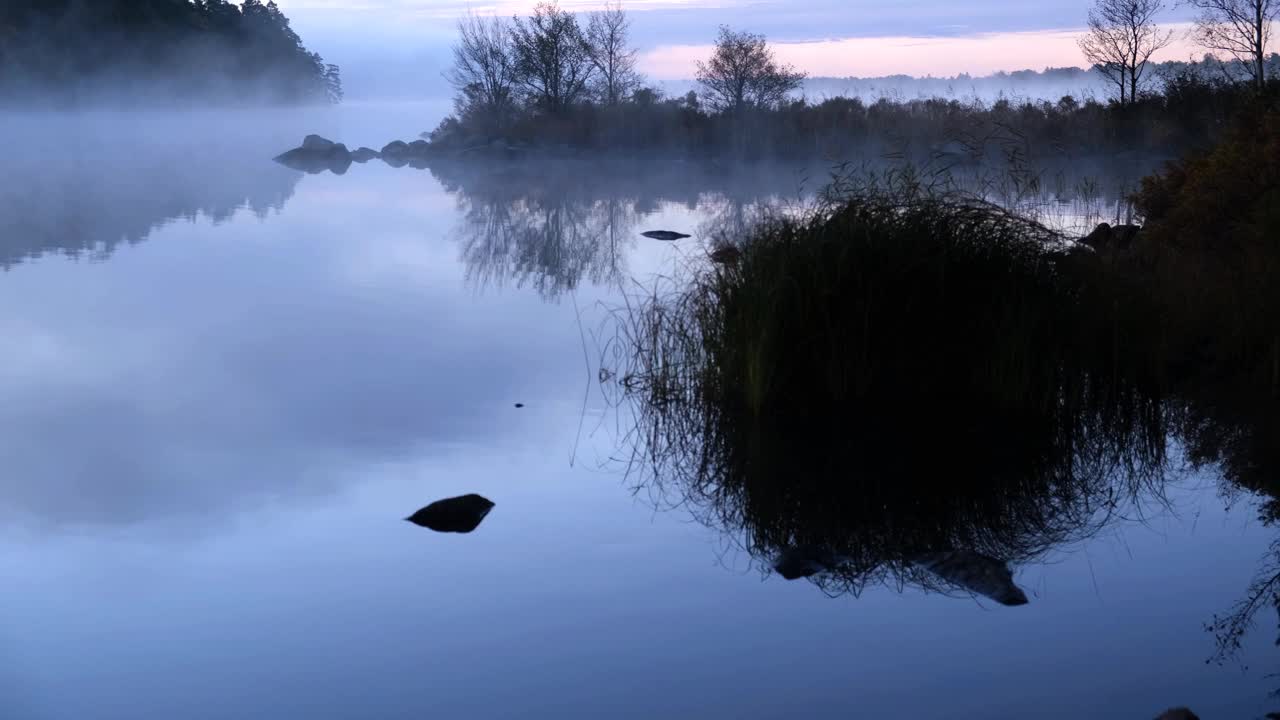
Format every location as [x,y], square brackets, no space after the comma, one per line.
[1048,84]
[551,81]
[66,52]
[1190,111]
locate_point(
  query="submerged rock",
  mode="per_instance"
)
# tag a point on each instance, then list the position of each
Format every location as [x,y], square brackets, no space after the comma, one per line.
[975,572]
[664,235]
[1183,714]
[455,515]
[803,561]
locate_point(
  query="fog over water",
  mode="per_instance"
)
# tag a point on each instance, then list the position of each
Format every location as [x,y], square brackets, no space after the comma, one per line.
[227,382]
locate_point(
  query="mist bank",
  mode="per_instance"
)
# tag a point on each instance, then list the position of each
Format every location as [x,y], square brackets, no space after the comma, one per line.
[68,53]
[92,183]
[1051,83]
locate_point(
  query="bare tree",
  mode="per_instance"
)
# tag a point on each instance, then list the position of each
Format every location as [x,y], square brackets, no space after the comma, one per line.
[1122,37]
[553,57]
[1241,28]
[615,62]
[743,72]
[484,71]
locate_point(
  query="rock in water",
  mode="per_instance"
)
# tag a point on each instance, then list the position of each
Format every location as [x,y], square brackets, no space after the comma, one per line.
[396,153]
[304,160]
[664,235]
[315,143]
[339,159]
[395,148]
[317,154]
[975,572]
[456,515]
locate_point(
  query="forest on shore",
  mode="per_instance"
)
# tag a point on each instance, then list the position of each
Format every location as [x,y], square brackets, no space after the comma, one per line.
[93,52]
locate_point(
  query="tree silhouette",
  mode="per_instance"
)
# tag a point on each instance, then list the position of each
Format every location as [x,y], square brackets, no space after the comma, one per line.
[553,57]
[743,72]
[1241,28]
[1122,38]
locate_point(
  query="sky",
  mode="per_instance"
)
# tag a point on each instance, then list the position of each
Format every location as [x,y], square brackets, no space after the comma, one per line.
[861,38]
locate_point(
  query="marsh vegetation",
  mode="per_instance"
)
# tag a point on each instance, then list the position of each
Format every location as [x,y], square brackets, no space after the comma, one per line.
[902,371]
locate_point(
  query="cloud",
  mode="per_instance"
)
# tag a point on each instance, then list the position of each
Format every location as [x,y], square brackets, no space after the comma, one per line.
[976,54]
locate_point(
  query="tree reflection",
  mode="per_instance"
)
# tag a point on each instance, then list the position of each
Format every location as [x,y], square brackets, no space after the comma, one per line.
[548,243]
[1239,438]
[552,225]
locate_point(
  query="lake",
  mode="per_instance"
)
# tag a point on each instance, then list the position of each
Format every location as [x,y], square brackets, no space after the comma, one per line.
[227,383]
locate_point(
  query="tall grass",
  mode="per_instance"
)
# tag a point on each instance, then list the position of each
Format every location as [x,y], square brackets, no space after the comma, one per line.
[895,372]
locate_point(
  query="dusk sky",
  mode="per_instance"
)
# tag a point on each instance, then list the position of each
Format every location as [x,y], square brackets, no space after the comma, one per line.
[823,37]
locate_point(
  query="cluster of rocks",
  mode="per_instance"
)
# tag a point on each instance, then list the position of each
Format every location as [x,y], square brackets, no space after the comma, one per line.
[317,154]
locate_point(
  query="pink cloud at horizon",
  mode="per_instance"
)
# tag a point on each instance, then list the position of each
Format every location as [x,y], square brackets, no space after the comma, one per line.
[981,54]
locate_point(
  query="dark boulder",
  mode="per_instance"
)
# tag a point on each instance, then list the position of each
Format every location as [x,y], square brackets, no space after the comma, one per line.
[315,155]
[1105,237]
[339,159]
[304,160]
[395,149]
[315,143]
[1101,235]
[454,515]
[363,155]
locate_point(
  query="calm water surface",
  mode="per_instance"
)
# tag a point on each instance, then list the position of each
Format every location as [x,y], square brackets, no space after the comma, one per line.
[226,383]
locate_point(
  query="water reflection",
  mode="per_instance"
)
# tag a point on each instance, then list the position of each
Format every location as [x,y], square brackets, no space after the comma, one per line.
[552,225]
[84,188]
[900,423]
[900,419]
[1239,437]
[293,399]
